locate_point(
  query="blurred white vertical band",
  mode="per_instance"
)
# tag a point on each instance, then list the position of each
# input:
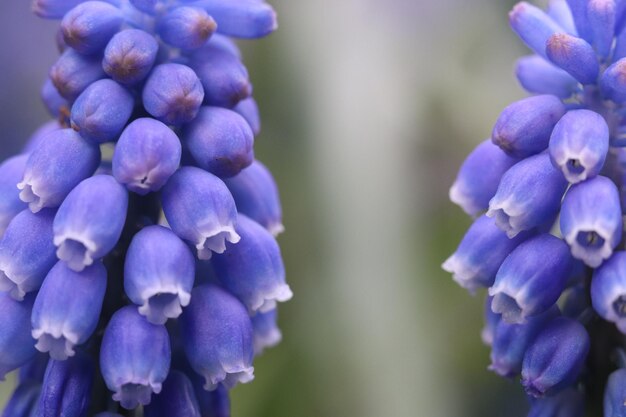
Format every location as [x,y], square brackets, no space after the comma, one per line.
[361,75]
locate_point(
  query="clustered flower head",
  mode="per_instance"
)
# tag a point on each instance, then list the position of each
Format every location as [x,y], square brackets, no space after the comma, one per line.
[547,192]
[138,260]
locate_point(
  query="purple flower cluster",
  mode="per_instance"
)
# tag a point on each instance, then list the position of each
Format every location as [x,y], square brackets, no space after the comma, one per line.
[137,230]
[547,191]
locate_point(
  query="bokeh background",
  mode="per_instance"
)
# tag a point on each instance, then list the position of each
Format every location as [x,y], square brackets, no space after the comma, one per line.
[368,109]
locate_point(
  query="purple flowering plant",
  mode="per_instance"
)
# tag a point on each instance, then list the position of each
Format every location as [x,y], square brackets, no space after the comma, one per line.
[139,270]
[547,192]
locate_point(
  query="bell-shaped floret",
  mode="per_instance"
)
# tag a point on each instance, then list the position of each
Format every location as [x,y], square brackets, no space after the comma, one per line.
[579,144]
[26,252]
[528,196]
[159,273]
[481,252]
[253,269]
[200,209]
[608,290]
[554,360]
[218,337]
[90,221]
[591,220]
[11,172]
[510,342]
[17,347]
[67,308]
[479,176]
[256,195]
[61,160]
[265,331]
[134,357]
[531,279]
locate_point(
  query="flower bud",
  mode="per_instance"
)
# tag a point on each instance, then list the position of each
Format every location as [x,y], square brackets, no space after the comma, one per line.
[102,110]
[511,341]
[73,72]
[57,106]
[67,308]
[253,269]
[11,172]
[579,9]
[176,400]
[130,55]
[200,209]
[134,357]
[26,252]
[613,82]
[23,401]
[223,76]
[479,176]
[608,290]
[533,26]
[531,279]
[567,403]
[538,76]
[579,144]
[173,94]
[159,273]
[529,195]
[17,347]
[480,254]
[591,220]
[89,26]
[241,19]
[560,12]
[146,155]
[218,337]
[220,141]
[256,195]
[66,389]
[524,127]
[186,27]
[575,56]
[265,331]
[90,221]
[615,394]
[250,111]
[55,167]
[554,360]
[602,18]
[53,9]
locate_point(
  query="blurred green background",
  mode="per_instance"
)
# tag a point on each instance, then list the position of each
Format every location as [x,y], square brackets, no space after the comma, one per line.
[368,109]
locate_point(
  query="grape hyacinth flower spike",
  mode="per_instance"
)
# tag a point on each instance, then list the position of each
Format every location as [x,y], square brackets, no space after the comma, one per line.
[109,216]
[552,179]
